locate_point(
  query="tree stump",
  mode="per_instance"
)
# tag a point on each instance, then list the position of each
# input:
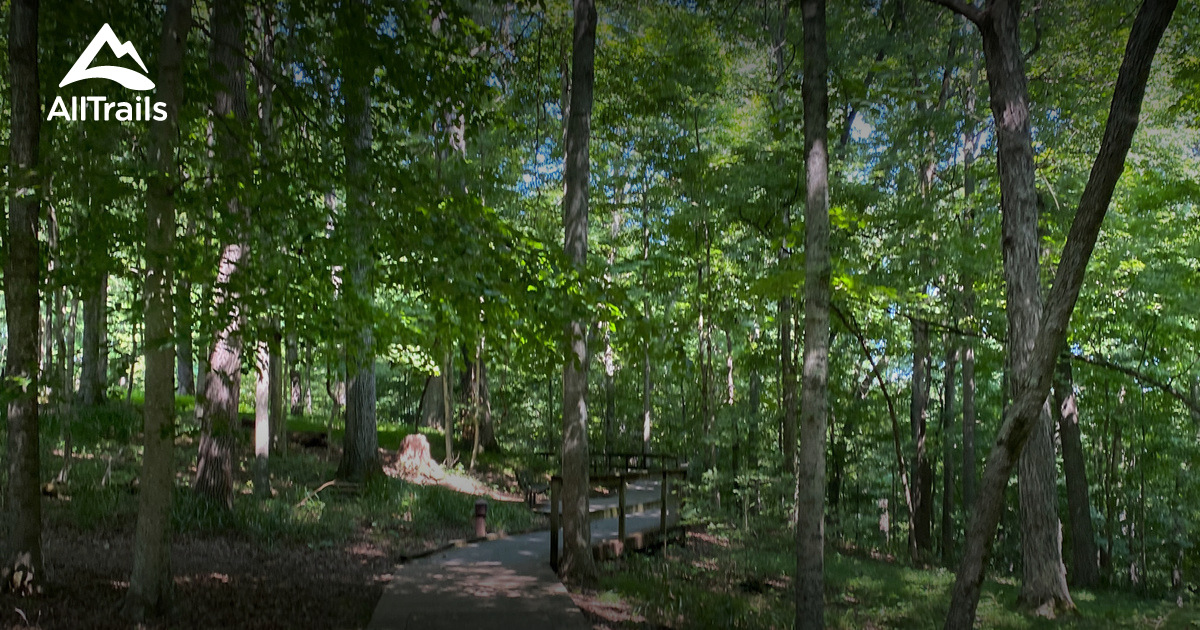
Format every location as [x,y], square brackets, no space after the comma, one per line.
[415,462]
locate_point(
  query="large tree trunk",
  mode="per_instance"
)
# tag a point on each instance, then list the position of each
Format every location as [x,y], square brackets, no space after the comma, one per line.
[21,273]
[150,583]
[948,459]
[577,565]
[810,505]
[360,449]
[1085,572]
[92,379]
[999,28]
[222,385]
[922,533]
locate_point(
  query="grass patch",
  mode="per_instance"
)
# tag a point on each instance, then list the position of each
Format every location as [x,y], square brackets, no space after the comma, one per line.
[724,579]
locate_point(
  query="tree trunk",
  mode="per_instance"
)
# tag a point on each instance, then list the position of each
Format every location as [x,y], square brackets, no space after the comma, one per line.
[969,477]
[295,386]
[185,363]
[21,275]
[91,374]
[948,459]
[278,419]
[150,583]
[447,406]
[647,408]
[360,448]
[577,565]
[999,28]
[262,421]
[810,506]
[1085,572]
[787,367]
[922,533]
[222,385]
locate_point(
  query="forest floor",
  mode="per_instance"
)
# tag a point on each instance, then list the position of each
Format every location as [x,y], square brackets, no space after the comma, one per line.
[726,579]
[296,560]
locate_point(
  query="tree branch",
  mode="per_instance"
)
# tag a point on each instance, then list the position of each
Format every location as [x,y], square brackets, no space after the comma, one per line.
[1142,378]
[965,9]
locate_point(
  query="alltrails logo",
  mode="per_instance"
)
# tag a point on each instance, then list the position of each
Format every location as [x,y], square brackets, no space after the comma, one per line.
[99,106]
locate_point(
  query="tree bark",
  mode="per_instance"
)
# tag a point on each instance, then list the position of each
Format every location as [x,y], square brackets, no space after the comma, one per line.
[810,506]
[446,378]
[360,448]
[150,582]
[922,533]
[1084,570]
[21,276]
[295,386]
[185,362]
[998,25]
[222,385]
[787,366]
[577,565]
[278,418]
[95,318]
[262,421]
[948,459]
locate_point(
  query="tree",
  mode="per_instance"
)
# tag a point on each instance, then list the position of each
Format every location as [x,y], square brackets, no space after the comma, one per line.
[577,565]
[998,25]
[150,583]
[360,450]
[21,276]
[222,385]
[1084,570]
[810,506]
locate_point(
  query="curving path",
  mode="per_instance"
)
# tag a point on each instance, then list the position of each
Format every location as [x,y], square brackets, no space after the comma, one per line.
[501,584]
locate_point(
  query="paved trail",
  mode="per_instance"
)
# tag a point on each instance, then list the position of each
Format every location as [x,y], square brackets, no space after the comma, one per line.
[505,583]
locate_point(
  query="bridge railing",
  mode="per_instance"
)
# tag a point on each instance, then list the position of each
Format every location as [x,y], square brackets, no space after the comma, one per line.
[622,478]
[602,463]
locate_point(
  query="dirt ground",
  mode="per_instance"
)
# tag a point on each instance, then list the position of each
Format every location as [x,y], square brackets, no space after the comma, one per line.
[219,583]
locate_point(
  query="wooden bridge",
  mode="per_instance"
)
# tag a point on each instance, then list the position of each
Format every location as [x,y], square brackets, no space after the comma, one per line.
[642,482]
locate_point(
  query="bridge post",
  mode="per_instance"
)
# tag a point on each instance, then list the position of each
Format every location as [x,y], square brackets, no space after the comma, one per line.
[555,520]
[621,507]
[662,510]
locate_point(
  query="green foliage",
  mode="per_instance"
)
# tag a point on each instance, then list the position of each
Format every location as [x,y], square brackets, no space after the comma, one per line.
[742,581]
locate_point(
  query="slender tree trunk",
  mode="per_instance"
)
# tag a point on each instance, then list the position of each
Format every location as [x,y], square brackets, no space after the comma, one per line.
[21,274]
[150,582]
[447,406]
[185,362]
[360,449]
[787,367]
[278,416]
[970,141]
[948,459]
[1005,61]
[476,401]
[262,421]
[222,385]
[922,534]
[295,385]
[91,374]
[647,407]
[810,506]
[576,564]
[1085,572]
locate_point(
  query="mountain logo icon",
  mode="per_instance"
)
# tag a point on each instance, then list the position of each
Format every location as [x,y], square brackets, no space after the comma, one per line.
[126,77]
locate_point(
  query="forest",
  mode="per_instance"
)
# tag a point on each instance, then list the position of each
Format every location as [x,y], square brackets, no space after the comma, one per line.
[719,313]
